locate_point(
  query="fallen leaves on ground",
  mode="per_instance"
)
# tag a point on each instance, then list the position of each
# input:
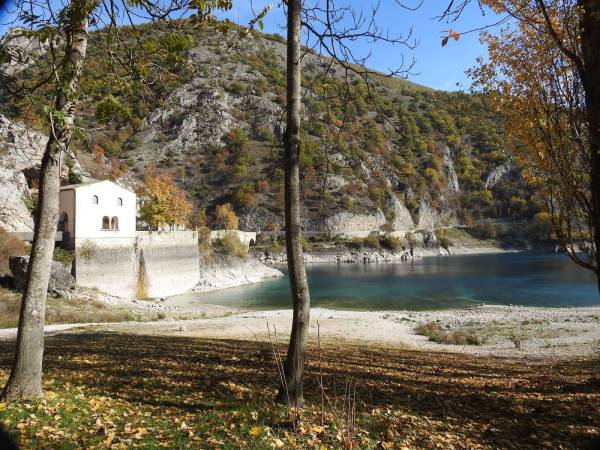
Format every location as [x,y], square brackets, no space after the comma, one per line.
[108,390]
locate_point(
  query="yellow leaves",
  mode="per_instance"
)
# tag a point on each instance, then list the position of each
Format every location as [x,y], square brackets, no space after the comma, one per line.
[2,406]
[162,202]
[225,217]
[141,432]
[254,431]
[20,425]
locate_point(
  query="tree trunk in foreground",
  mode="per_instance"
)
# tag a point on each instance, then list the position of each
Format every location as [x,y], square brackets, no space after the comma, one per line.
[291,391]
[590,43]
[25,379]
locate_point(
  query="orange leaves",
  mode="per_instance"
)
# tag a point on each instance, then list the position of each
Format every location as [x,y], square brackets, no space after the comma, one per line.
[450,34]
[162,202]
[225,217]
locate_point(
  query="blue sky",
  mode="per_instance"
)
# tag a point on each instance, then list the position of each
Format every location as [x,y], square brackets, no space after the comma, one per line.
[436,66]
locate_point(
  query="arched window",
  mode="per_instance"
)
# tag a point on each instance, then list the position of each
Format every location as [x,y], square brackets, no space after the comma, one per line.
[114,223]
[94,199]
[119,201]
[105,223]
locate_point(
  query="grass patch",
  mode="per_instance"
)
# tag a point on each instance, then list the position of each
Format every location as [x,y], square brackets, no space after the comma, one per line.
[475,333]
[60,310]
[436,332]
[111,390]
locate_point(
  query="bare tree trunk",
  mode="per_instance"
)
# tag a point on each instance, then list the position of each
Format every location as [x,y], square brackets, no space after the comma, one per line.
[292,389]
[25,379]
[590,43]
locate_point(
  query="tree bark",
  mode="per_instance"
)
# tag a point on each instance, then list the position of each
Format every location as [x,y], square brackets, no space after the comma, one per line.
[590,44]
[291,391]
[25,379]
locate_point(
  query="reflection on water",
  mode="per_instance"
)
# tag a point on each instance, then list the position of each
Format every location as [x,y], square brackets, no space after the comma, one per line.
[530,279]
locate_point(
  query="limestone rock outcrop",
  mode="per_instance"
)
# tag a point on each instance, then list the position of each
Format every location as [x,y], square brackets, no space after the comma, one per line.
[61,281]
[20,149]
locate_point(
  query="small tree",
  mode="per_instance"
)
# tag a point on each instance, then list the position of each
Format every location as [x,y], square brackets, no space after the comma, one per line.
[542,226]
[162,202]
[225,217]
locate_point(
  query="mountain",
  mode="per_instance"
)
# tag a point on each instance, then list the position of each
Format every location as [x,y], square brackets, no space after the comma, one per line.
[396,156]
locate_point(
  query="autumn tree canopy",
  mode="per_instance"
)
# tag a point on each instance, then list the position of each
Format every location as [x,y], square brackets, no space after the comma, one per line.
[225,217]
[162,202]
[533,81]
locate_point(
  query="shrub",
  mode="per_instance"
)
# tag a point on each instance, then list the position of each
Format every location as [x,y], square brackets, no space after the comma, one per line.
[265,132]
[371,241]
[541,228]
[237,88]
[63,256]
[484,229]
[9,246]
[443,239]
[231,244]
[88,250]
[391,242]
[204,243]
[438,333]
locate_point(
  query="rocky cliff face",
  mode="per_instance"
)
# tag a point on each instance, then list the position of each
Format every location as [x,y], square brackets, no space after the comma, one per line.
[496,175]
[21,150]
[23,50]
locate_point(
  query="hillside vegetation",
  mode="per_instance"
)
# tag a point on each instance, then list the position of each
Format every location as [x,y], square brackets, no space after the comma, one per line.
[407,155]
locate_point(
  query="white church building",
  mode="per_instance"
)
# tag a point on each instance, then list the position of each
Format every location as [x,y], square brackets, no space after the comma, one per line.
[96,210]
[98,221]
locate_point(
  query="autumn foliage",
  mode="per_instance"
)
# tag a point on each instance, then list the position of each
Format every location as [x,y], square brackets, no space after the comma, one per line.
[225,217]
[162,202]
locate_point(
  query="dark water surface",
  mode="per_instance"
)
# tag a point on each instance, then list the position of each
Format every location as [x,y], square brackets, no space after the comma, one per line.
[529,279]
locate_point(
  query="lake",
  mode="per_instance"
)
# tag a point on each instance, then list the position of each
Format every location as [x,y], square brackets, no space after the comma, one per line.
[519,278]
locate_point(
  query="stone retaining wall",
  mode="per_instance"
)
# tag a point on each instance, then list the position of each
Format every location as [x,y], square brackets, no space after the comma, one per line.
[168,260]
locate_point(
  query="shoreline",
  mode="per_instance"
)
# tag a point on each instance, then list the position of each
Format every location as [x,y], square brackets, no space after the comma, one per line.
[542,332]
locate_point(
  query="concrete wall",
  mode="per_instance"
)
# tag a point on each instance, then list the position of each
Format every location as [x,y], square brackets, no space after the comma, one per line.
[107,264]
[170,263]
[244,236]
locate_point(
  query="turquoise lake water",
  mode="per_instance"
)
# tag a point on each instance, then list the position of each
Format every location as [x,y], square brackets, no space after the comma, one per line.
[521,278]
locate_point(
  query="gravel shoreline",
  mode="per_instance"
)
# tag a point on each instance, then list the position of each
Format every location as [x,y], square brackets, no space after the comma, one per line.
[550,333]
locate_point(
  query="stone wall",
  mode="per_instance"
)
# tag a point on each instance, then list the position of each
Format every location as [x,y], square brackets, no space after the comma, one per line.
[246,237]
[108,265]
[171,259]
[354,225]
[168,260]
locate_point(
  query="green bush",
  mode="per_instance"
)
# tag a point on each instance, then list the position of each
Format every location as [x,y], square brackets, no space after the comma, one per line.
[484,229]
[438,333]
[443,239]
[231,244]
[265,132]
[391,242]
[371,241]
[63,256]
